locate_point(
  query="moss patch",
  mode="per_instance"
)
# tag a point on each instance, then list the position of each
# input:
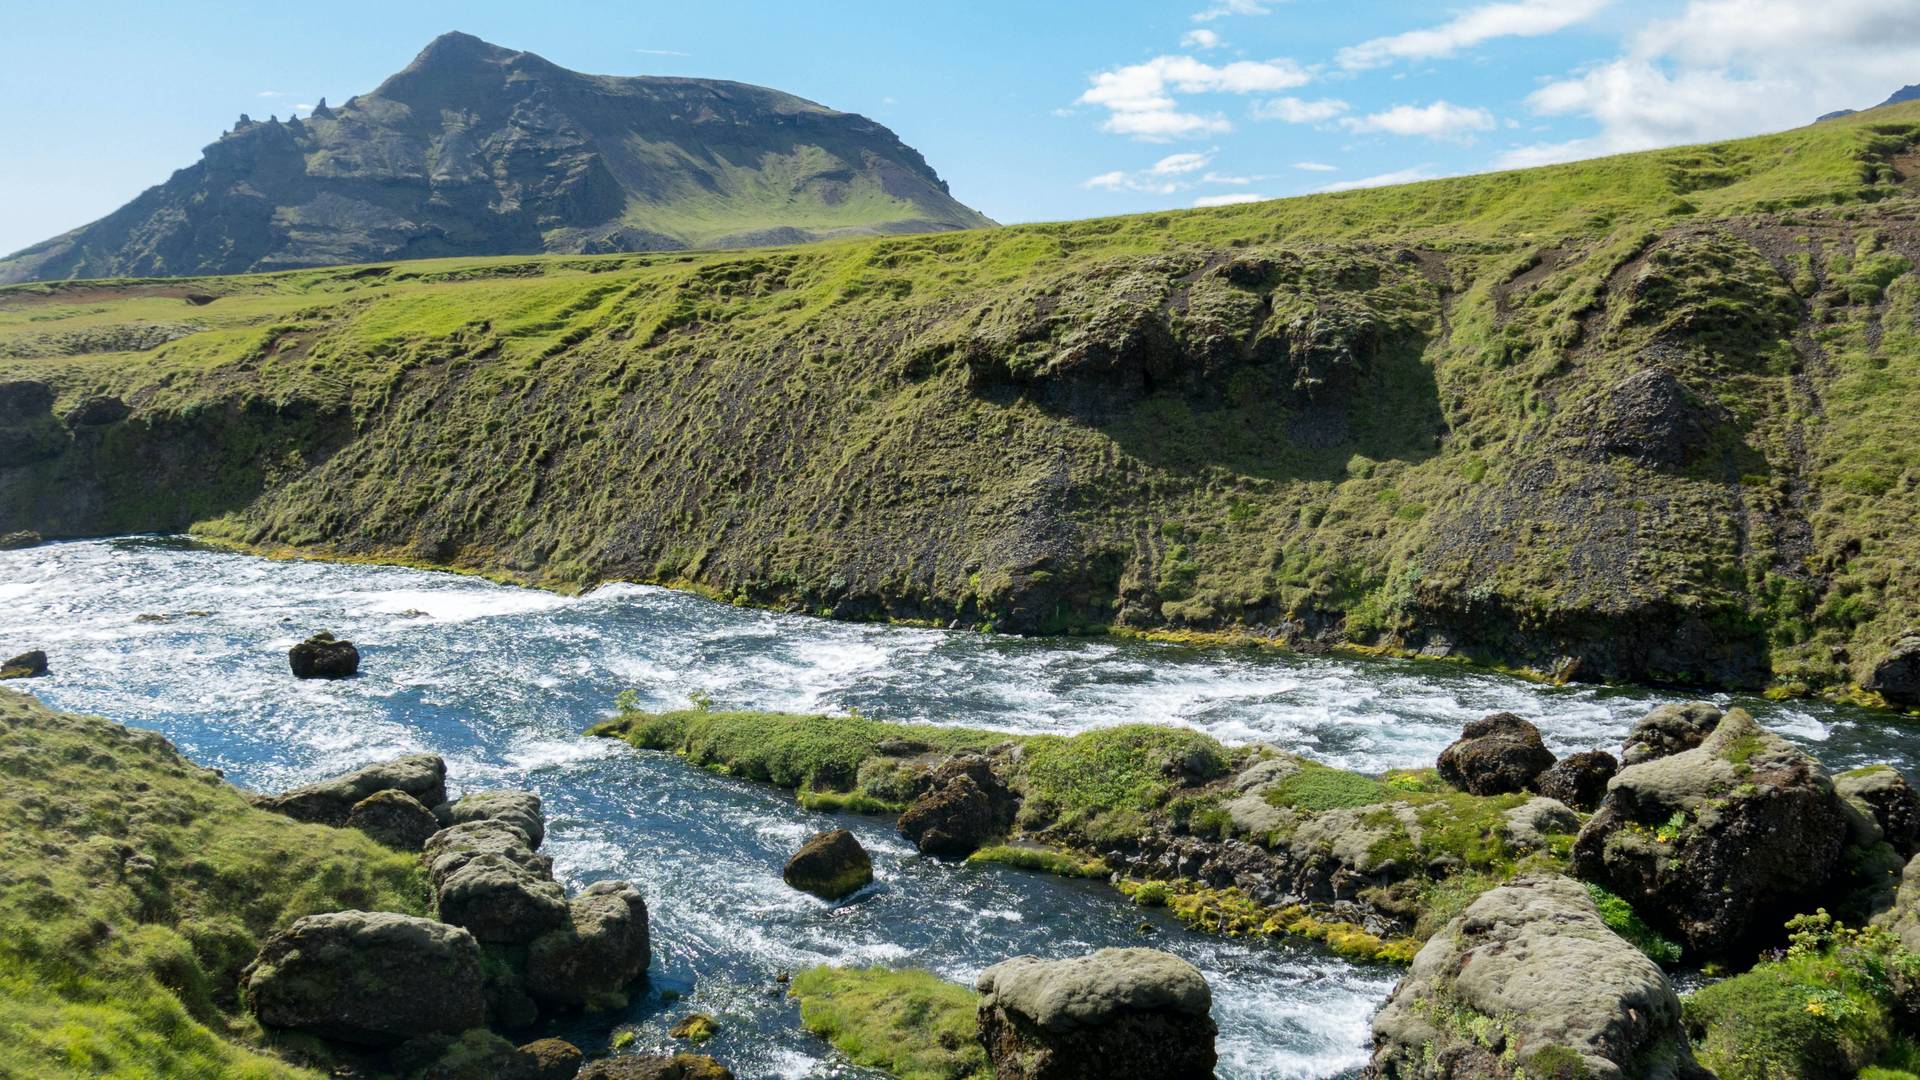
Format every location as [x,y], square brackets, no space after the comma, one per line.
[911,1024]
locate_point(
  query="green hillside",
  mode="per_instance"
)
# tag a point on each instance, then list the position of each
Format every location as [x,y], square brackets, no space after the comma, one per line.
[1648,417]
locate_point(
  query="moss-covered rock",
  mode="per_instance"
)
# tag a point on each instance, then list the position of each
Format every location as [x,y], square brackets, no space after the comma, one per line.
[520,809]
[1495,755]
[603,947]
[330,801]
[829,865]
[394,818]
[911,1024]
[374,978]
[1074,1019]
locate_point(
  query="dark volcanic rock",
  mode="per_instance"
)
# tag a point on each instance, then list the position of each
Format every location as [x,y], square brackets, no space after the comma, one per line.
[480,150]
[97,412]
[394,818]
[1720,842]
[829,865]
[1495,755]
[373,978]
[24,538]
[1670,729]
[1079,1019]
[1652,418]
[452,848]
[1884,797]
[323,657]
[1579,780]
[329,802]
[552,1059]
[602,948]
[656,1067]
[1897,677]
[25,666]
[500,900]
[520,809]
[966,806]
[1510,955]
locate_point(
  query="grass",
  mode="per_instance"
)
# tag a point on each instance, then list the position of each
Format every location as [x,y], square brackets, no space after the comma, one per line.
[1623,920]
[1046,860]
[136,887]
[911,1024]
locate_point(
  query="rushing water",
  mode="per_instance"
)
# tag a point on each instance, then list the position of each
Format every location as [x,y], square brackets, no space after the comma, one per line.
[191,642]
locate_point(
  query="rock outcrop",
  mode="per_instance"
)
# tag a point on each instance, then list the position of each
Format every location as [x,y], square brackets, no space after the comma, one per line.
[603,947]
[1495,755]
[1720,841]
[1530,980]
[487,878]
[395,819]
[1526,827]
[1897,676]
[1081,1018]
[1669,729]
[1579,780]
[371,978]
[520,809]
[331,801]
[656,1067]
[553,1059]
[19,538]
[27,665]
[1903,917]
[322,656]
[1881,795]
[829,865]
[966,806]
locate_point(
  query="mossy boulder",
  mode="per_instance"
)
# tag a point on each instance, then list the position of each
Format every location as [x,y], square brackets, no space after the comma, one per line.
[18,539]
[1076,1019]
[1528,981]
[322,656]
[1495,755]
[601,949]
[500,900]
[370,978]
[1902,919]
[25,666]
[1881,795]
[656,1067]
[1719,842]
[520,809]
[395,819]
[967,806]
[1896,676]
[482,1055]
[1669,729]
[1579,780]
[330,801]
[552,1059]
[829,865]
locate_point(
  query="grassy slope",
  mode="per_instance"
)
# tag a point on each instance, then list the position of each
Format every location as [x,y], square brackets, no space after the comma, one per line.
[1074,426]
[134,886]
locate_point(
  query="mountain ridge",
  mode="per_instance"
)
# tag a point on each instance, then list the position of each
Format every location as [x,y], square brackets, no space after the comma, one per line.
[476,149]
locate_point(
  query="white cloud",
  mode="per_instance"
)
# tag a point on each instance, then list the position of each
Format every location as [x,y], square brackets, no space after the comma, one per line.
[661,52]
[1293,110]
[271,93]
[1231,7]
[1179,164]
[1164,177]
[1520,18]
[1230,200]
[1727,68]
[1112,181]
[1139,97]
[1315,166]
[1201,39]
[1222,178]
[1440,120]
[1404,176]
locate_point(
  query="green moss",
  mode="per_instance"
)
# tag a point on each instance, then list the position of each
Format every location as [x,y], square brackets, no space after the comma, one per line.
[1100,784]
[111,968]
[1047,860]
[1623,920]
[1316,787]
[912,1024]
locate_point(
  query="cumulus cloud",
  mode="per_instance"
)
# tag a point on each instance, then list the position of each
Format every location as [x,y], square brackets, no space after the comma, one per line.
[1201,39]
[1140,102]
[1522,18]
[1224,8]
[1293,110]
[1403,176]
[1164,177]
[1727,68]
[1315,166]
[1440,120]
[1229,200]
[661,52]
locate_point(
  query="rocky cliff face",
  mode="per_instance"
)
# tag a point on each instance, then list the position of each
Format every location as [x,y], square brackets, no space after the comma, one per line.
[477,150]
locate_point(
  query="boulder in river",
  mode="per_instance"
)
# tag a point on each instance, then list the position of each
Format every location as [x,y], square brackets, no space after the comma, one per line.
[656,1067]
[1495,755]
[27,665]
[1529,980]
[1141,1013]
[500,901]
[1717,842]
[1897,676]
[330,801]
[520,809]
[368,977]
[552,1059]
[829,865]
[24,538]
[1884,797]
[394,818]
[322,656]
[452,848]
[966,806]
[1579,780]
[1670,729]
[600,950]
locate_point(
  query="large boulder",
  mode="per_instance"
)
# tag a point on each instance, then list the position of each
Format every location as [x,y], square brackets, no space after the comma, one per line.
[1579,780]
[368,977]
[1531,825]
[1903,918]
[1714,843]
[1897,676]
[450,849]
[1529,981]
[23,538]
[323,656]
[829,865]
[331,801]
[1495,755]
[521,809]
[1141,1012]
[25,666]
[1883,796]
[501,901]
[966,806]
[602,948]
[552,1059]
[656,1067]
[394,818]
[1670,729]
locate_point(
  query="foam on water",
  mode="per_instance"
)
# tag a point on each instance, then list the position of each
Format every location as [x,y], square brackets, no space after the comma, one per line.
[501,681]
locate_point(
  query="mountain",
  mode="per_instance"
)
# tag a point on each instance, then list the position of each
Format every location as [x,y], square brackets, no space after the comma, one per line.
[1648,417]
[479,150]
[1898,97]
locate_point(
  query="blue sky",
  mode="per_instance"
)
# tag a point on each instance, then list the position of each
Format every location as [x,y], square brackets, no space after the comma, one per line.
[1031,111]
